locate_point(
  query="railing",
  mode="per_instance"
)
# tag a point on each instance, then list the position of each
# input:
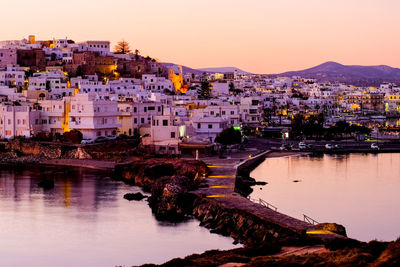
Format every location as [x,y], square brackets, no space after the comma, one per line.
[310,220]
[264,203]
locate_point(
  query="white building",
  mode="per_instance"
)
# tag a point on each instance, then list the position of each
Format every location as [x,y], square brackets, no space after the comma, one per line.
[164,135]
[18,121]
[12,76]
[207,128]
[101,47]
[92,116]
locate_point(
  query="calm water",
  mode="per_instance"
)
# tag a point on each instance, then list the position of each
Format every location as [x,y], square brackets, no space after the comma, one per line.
[360,191]
[84,221]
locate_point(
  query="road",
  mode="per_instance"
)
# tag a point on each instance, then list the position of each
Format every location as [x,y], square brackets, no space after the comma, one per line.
[319,146]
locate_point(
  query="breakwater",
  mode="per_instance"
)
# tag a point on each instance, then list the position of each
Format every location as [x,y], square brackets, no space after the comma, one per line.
[181,188]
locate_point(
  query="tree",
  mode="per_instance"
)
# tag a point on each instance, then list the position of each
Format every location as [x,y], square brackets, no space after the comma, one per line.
[229,136]
[122,47]
[231,87]
[73,136]
[79,71]
[204,90]
[137,54]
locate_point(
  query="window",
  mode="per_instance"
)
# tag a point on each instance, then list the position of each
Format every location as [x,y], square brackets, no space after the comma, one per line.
[172,134]
[135,121]
[9,121]
[165,122]
[223,112]
[210,126]
[98,133]
[142,120]
[198,126]
[134,109]
[232,112]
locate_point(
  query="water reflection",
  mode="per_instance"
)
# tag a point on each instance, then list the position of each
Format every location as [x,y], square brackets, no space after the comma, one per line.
[359,191]
[84,221]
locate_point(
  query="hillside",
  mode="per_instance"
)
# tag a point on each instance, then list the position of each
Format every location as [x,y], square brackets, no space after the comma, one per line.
[351,74]
[224,69]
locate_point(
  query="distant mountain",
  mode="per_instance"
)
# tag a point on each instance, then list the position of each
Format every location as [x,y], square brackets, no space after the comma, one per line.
[209,70]
[224,69]
[350,74]
[184,68]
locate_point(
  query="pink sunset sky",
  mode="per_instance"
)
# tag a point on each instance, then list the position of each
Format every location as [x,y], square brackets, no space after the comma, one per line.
[260,36]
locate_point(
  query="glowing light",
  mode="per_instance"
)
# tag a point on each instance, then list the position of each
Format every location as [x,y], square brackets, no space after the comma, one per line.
[320,232]
[221,186]
[177,79]
[215,196]
[222,176]
[65,122]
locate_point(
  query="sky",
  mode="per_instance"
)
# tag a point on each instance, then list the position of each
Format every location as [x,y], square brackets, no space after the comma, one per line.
[259,36]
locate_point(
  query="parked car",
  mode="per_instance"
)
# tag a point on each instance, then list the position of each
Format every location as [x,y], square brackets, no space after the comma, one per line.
[101,139]
[285,147]
[328,146]
[310,146]
[111,137]
[374,146]
[294,148]
[122,137]
[302,146]
[337,146]
[87,141]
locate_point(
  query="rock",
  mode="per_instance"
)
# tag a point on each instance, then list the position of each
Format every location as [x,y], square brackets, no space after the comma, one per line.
[332,227]
[46,184]
[134,196]
[243,185]
[296,181]
[170,198]
[82,154]
[261,183]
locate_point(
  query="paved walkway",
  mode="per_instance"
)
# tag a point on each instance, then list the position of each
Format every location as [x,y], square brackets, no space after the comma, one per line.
[221,183]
